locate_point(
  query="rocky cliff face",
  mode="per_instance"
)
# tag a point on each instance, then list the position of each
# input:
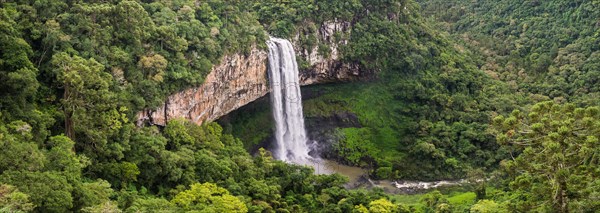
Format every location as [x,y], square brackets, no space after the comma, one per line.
[326,69]
[235,82]
[240,79]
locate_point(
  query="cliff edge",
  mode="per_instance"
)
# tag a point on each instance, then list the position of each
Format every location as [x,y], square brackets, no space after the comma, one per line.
[240,79]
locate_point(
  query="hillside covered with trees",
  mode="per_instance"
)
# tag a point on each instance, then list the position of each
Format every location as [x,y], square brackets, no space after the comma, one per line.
[504,93]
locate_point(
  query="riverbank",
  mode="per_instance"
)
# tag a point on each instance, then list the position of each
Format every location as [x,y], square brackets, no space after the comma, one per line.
[359,178]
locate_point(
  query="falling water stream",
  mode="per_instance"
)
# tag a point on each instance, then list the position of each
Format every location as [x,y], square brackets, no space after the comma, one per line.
[286,100]
[291,143]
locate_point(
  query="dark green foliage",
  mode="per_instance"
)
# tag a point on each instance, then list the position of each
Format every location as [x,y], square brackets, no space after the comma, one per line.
[17,73]
[49,191]
[284,19]
[252,125]
[427,114]
[129,39]
[547,48]
[556,168]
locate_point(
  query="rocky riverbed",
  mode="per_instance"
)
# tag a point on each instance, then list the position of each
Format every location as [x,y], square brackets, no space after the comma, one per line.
[358,178]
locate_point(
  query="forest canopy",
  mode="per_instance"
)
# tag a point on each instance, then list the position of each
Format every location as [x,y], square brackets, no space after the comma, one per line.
[501,92]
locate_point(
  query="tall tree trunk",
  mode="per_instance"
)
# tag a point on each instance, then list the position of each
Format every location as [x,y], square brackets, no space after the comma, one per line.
[560,198]
[69,126]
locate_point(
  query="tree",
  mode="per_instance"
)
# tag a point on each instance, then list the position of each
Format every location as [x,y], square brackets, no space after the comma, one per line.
[488,206]
[152,205]
[147,150]
[382,206]
[106,207]
[153,67]
[48,191]
[132,23]
[72,73]
[208,197]
[558,146]
[90,108]
[435,202]
[89,194]
[177,133]
[61,157]
[17,152]
[12,200]
[17,73]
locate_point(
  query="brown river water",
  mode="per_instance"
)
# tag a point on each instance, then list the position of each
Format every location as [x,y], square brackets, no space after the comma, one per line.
[358,178]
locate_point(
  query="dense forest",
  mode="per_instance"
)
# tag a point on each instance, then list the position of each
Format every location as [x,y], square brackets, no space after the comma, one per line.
[502,93]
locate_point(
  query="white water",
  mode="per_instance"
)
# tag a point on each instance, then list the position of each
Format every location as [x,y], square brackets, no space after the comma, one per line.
[290,135]
[286,101]
[427,185]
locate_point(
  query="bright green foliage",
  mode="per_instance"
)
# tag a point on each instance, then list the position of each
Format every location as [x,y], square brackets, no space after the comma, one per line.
[361,209]
[453,200]
[382,206]
[94,193]
[208,197]
[17,151]
[62,158]
[356,147]
[556,167]
[435,202]
[461,202]
[12,200]
[488,206]
[177,134]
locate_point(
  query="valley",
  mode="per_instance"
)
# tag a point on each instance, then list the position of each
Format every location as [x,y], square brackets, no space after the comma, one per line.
[300,106]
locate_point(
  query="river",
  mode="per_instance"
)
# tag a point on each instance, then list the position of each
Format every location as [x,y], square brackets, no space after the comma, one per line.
[358,178]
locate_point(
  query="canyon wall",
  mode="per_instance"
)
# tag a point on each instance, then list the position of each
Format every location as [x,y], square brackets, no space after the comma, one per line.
[240,79]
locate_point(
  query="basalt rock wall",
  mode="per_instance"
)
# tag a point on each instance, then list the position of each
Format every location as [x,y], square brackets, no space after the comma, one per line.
[240,79]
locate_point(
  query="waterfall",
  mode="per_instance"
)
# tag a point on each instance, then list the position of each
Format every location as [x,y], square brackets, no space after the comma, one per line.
[286,102]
